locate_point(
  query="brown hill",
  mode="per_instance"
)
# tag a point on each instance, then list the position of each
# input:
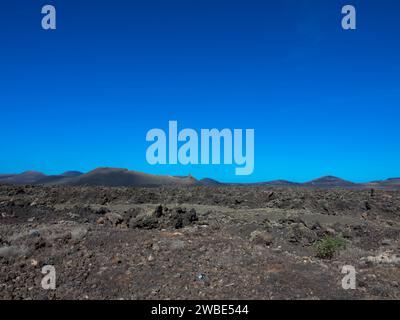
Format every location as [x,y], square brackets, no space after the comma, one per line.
[392,183]
[28,177]
[329,182]
[113,177]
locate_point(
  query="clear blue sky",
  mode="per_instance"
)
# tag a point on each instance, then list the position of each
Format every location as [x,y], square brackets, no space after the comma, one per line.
[321,100]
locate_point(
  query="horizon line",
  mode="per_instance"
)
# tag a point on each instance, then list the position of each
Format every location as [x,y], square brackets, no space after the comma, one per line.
[190,175]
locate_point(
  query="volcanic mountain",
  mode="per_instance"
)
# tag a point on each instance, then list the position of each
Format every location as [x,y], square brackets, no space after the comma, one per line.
[279,183]
[392,183]
[113,177]
[28,177]
[209,182]
[329,182]
[59,179]
[116,177]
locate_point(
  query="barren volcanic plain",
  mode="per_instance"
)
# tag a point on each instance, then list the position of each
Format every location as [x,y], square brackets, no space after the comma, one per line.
[198,242]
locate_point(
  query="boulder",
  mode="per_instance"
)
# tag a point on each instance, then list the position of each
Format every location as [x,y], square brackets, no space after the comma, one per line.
[299,233]
[261,238]
[145,220]
[180,218]
[114,218]
[78,233]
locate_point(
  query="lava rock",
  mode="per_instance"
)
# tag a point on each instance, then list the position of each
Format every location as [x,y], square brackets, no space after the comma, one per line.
[78,233]
[261,238]
[144,220]
[181,217]
[114,218]
[299,233]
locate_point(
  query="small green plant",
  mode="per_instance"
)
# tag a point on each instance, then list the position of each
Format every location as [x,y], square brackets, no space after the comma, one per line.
[326,247]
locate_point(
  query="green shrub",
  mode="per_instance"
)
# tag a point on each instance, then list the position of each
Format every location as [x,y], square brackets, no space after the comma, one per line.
[326,247]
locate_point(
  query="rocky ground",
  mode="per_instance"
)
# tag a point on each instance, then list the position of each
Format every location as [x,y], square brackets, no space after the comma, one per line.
[197,243]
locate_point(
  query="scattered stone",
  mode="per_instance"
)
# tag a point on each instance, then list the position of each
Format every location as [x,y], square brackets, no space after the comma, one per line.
[386,242]
[330,231]
[181,217]
[78,233]
[163,218]
[177,245]
[383,258]
[102,211]
[114,218]
[158,212]
[146,220]
[270,195]
[116,260]
[364,215]
[12,251]
[34,233]
[101,221]
[72,215]
[261,238]
[201,277]
[299,233]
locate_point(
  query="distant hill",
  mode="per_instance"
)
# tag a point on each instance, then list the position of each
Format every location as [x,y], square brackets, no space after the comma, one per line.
[98,177]
[113,177]
[59,179]
[209,182]
[279,183]
[392,183]
[329,182]
[4,176]
[116,177]
[28,177]
[34,177]
[72,174]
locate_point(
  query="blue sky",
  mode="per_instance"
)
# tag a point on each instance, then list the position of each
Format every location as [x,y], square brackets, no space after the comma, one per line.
[321,100]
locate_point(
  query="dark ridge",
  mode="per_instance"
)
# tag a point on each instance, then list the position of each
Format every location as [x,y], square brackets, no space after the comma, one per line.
[120,177]
[329,182]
